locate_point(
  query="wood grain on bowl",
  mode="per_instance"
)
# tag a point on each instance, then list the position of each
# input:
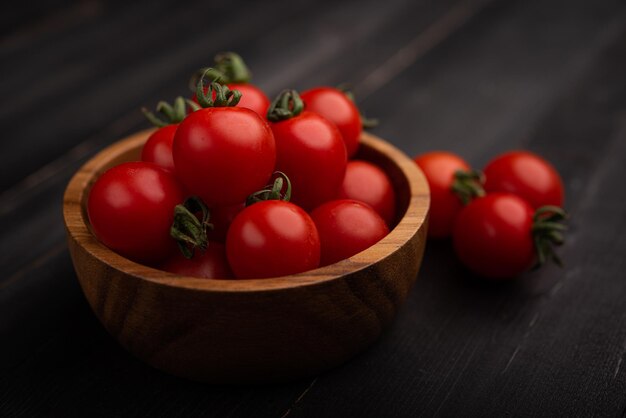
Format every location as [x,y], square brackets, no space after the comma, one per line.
[250,330]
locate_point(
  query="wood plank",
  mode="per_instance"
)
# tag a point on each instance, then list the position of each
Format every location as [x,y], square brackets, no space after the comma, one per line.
[551,344]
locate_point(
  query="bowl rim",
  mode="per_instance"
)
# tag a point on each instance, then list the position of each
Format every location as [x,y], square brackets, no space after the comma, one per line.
[413,219]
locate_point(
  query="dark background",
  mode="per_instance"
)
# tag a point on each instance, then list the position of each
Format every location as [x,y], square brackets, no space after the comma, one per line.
[474,77]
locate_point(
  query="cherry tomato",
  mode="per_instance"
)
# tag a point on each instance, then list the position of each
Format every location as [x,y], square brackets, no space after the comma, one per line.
[367,183]
[439,168]
[158,147]
[347,227]
[334,105]
[223,154]
[493,238]
[221,218]
[312,154]
[526,175]
[208,264]
[131,209]
[252,97]
[272,238]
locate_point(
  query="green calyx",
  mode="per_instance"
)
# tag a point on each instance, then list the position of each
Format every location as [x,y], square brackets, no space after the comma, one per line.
[233,68]
[228,68]
[170,114]
[547,230]
[273,191]
[224,97]
[189,231]
[287,105]
[468,185]
[366,123]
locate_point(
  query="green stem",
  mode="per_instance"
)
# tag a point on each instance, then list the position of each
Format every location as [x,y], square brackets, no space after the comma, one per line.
[232,66]
[287,105]
[189,231]
[468,185]
[170,114]
[547,233]
[224,97]
[273,191]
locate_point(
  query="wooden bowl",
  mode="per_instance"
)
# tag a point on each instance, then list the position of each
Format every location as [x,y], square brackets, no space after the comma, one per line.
[242,331]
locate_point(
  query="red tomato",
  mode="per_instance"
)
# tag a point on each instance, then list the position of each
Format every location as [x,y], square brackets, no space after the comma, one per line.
[493,238]
[272,238]
[158,147]
[252,97]
[221,218]
[347,227]
[208,264]
[131,209]
[223,154]
[526,175]
[367,183]
[334,105]
[439,168]
[312,154]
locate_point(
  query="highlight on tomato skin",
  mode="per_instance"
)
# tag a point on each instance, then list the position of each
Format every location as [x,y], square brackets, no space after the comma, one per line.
[131,209]
[492,236]
[527,175]
[368,183]
[272,238]
[223,154]
[309,150]
[334,105]
[158,147]
[346,227]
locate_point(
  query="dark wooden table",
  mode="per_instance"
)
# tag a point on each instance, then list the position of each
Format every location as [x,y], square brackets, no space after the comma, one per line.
[475,77]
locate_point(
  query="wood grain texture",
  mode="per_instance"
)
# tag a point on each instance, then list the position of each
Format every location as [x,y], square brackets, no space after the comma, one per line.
[545,76]
[234,331]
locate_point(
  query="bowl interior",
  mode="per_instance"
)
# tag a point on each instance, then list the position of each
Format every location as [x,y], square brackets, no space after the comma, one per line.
[412,207]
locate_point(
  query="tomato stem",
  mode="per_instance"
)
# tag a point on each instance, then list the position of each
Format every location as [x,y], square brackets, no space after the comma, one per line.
[547,233]
[287,105]
[233,67]
[171,114]
[468,185]
[188,231]
[224,97]
[273,191]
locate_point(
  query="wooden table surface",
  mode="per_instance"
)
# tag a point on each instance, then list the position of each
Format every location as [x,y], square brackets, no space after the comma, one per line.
[474,77]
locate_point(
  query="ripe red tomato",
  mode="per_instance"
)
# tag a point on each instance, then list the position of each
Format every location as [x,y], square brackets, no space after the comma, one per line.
[493,236]
[439,168]
[309,151]
[347,227]
[223,154]
[367,183]
[158,147]
[272,238]
[208,264]
[252,97]
[131,209]
[334,105]
[526,175]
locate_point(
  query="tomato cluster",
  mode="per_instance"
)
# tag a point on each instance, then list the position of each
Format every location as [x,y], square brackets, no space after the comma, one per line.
[233,186]
[502,220]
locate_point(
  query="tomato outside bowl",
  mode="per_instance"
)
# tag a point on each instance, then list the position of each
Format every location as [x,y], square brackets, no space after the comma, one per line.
[254,330]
